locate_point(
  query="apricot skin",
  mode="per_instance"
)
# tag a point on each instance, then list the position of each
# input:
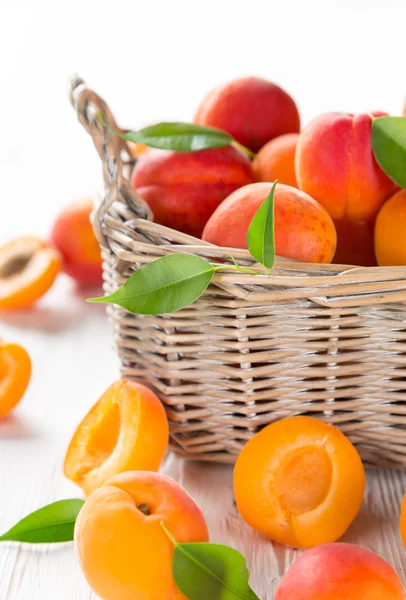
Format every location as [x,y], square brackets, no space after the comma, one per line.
[125,554]
[251,109]
[299,482]
[303,229]
[336,166]
[340,572]
[276,160]
[184,188]
[72,234]
[15,374]
[402,523]
[390,231]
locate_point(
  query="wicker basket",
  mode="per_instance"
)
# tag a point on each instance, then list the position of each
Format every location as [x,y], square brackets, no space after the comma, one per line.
[321,340]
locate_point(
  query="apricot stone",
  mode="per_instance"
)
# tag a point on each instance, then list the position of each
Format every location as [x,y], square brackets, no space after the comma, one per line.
[183,189]
[336,166]
[303,229]
[250,109]
[340,572]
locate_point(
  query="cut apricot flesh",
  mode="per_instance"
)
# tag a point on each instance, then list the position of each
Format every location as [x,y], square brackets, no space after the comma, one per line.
[126,430]
[28,268]
[299,482]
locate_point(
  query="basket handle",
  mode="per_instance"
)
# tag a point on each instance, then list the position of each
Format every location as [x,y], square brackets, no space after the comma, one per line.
[113,151]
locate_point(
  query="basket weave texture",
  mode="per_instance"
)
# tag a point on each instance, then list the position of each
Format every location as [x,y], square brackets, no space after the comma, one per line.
[322,340]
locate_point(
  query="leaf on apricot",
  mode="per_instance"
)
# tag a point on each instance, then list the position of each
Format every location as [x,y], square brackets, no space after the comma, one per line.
[163,286]
[181,137]
[389,146]
[51,524]
[261,232]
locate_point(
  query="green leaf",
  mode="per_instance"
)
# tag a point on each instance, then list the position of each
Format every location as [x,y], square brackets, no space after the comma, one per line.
[261,232]
[389,146]
[182,137]
[164,285]
[50,524]
[203,570]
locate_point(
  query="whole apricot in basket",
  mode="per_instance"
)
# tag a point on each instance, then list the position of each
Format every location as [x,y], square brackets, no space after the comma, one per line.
[336,166]
[276,160]
[72,234]
[250,109]
[15,374]
[126,430]
[299,482]
[28,268]
[183,189]
[340,572]
[303,228]
[390,231]
[122,548]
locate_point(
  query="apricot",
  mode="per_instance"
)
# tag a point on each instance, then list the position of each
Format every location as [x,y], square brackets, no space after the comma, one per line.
[299,482]
[276,160]
[15,374]
[250,109]
[402,524]
[303,229]
[390,231]
[336,166]
[184,188]
[340,572]
[28,268]
[122,548]
[72,234]
[126,430]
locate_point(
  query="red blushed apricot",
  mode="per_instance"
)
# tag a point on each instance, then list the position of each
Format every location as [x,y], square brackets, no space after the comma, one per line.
[184,188]
[126,430]
[28,268]
[251,109]
[336,166]
[299,482]
[303,229]
[122,548]
[276,160]
[72,234]
[15,374]
[340,572]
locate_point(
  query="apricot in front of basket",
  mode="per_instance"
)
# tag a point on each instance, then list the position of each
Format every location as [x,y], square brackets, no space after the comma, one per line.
[15,374]
[122,548]
[72,234]
[184,188]
[390,231]
[336,166]
[250,109]
[276,160]
[303,229]
[299,482]
[126,430]
[340,572]
[28,269]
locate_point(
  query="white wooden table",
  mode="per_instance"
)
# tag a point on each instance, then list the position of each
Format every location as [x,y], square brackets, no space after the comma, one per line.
[152,60]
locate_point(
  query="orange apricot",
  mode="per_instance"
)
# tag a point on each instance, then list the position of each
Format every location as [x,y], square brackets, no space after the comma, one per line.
[340,572]
[126,430]
[72,234]
[303,228]
[390,231]
[15,374]
[122,548]
[276,160]
[299,482]
[28,268]
[402,524]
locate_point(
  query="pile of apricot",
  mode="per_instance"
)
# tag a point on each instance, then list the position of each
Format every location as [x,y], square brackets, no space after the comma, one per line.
[336,204]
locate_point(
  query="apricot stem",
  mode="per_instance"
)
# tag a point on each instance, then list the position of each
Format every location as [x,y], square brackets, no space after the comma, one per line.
[144,508]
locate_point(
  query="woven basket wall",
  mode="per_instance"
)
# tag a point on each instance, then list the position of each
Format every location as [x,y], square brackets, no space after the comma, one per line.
[322,340]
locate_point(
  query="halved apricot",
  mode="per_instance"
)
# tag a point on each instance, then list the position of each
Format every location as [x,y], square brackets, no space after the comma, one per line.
[299,482]
[126,430]
[28,268]
[15,374]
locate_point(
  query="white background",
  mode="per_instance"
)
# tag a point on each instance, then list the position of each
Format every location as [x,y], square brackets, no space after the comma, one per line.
[151,60]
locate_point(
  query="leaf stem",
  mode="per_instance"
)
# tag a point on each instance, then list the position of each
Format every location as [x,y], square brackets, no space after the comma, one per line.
[170,536]
[236,267]
[243,149]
